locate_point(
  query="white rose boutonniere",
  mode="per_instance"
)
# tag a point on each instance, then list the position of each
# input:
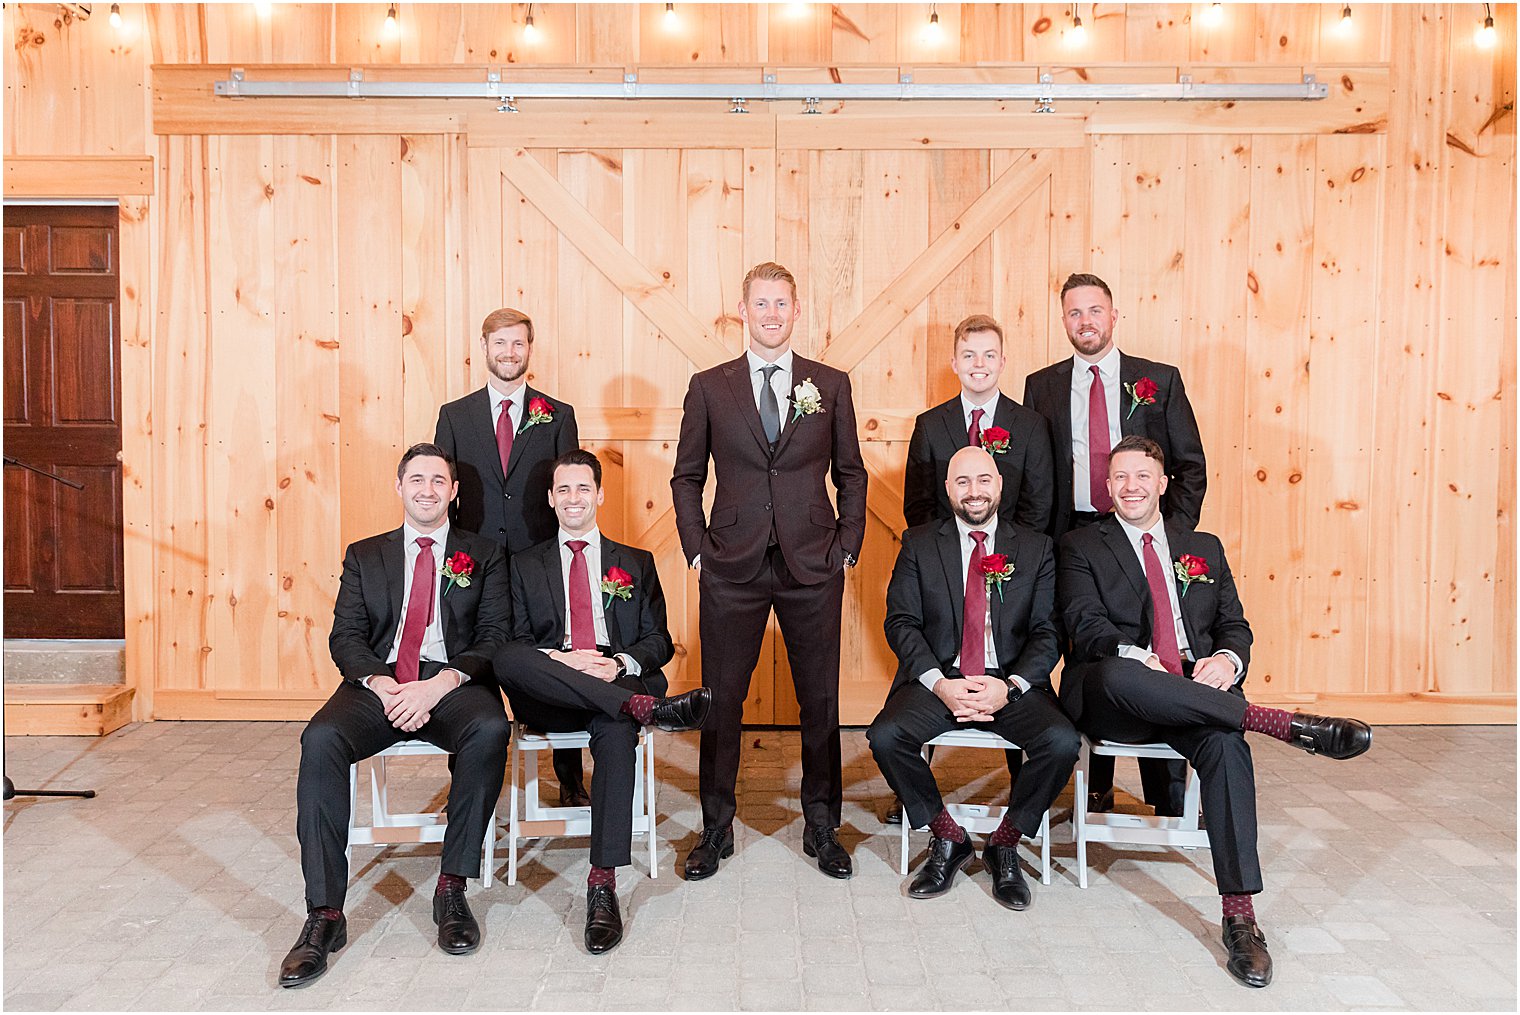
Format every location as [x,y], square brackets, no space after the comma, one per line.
[806,400]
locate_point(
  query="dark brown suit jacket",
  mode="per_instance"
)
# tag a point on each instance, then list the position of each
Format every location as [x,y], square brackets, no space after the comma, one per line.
[759,489]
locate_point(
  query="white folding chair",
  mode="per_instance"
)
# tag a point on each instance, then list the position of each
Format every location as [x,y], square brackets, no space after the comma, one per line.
[980,819]
[530,819]
[1141,829]
[385,828]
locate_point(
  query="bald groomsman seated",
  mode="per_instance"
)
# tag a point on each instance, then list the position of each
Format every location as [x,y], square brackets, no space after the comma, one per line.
[970,616]
[420,611]
[589,638]
[1160,648]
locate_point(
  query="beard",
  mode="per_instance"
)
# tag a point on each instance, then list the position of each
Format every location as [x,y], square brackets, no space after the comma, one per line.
[505,371]
[974,514]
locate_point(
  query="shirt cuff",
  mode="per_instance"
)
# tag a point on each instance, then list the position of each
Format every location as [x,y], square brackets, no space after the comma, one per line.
[1240,667]
[930,678]
[1020,682]
[630,664]
[1134,652]
[696,561]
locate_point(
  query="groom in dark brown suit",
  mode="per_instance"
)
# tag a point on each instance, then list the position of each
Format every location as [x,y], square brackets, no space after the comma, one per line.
[774,425]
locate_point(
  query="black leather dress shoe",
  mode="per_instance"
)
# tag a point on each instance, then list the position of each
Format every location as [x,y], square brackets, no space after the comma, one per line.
[946,856]
[573,795]
[895,812]
[683,712]
[1008,885]
[833,859]
[604,924]
[458,933]
[1329,735]
[1101,803]
[714,845]
[308,959]
[1249,962]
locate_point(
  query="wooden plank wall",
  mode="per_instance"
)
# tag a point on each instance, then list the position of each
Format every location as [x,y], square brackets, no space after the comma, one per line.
[1337,281]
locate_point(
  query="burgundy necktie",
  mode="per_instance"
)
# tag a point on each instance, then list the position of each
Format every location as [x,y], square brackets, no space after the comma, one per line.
[974,614]
[974,431]
[1097,444]
[582,626]
[419,612]
[1163,627]
[504,434]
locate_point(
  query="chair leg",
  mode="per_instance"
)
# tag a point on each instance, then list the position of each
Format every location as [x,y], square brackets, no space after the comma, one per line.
[1045,847]
[353,813]
[902,861]
[488,852]
[1079,813]
[649,809]
[379,792]
[512,826]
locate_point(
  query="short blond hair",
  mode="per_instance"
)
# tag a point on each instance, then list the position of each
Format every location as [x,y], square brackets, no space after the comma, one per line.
[977,322]
[506,317]
[770,271]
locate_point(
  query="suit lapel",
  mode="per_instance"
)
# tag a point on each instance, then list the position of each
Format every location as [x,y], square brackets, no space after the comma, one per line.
[525,434]
[554,581]
[951,418]
[445,601]
[483,427]
[948,539]
[1124,553]
[1008,545]
[1128,374]
[737,373]
[393,557]
[612,556]
[1180,540]
[801,371]
[1061,401]
[1002,415]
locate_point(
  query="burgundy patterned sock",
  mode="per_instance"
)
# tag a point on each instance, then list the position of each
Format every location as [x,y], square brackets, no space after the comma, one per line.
[448,881]
[1005,834]
[1274,722]
[328,913]
[944,827]
[1238,905]
[601,876]
[641,707]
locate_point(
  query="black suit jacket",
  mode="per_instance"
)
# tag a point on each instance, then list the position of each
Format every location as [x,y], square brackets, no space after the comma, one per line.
[512,509]
[758,488]
[635,626]
[1105,600]
[1028,479]
[926,599]
[368,609]
[1169,422]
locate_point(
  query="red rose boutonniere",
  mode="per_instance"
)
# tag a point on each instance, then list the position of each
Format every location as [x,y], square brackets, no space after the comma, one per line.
[1142,392]
[457,570]
[617,583]
[1190,569]
[540,410]
[996,570]
[995,440]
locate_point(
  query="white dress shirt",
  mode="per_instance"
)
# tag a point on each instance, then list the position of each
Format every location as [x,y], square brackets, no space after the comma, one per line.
[781,380]
[1081,385]
[515,400]
[432,636]
[594,572]
[988,411]
[1164,554]
[931,677]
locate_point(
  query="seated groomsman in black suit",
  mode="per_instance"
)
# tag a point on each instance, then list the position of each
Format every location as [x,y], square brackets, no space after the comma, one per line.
[1092,400]
[1160,649]
[506,436]
[420,612]
[589,638]
[970,617]
[980,416]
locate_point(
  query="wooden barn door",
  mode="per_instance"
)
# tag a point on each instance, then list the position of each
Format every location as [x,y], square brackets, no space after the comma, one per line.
[63,547]
[630,261]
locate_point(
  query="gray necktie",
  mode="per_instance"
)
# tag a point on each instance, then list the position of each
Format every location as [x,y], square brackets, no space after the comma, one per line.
[770,412]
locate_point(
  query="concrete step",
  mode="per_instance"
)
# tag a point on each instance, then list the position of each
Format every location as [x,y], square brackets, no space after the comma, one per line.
[65,661]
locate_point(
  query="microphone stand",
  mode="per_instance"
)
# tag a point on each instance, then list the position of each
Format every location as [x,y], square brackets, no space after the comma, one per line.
[10,787]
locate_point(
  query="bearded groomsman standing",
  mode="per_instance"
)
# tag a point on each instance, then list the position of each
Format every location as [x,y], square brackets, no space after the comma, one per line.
[505,437]
[1092,401]
[773,425]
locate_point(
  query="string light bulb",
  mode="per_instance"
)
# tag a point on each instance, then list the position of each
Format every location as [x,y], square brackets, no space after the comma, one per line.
[1345,25]
[530,30]
[1486,34]
[392,26]
[263,9]
[671,20]
[116,16]
[1213,14]
[1078,32]
[932,31]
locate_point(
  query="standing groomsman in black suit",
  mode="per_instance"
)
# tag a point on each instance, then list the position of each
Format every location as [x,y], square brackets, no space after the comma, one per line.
[589,638]
[1091,401]
[970,616]
[1160,647]
[980,416]
[773,425]
[420,612]
[506,437]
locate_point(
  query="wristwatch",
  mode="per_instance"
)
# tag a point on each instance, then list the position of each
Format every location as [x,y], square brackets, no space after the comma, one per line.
[849,560]
[1014,690]
[622,667]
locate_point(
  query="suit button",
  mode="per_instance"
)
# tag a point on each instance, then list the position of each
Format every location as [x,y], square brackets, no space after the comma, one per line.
[767,507]
[773,472]
[507,495]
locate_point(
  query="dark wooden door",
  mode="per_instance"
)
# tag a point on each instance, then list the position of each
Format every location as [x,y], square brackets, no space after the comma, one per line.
[63,570]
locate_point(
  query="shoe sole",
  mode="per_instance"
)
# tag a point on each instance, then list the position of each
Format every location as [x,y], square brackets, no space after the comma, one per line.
[723,854]
[604,951]
[459,951]
[342,940]
[1249,983]
[808,850]
[1009,905]
[949,882]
